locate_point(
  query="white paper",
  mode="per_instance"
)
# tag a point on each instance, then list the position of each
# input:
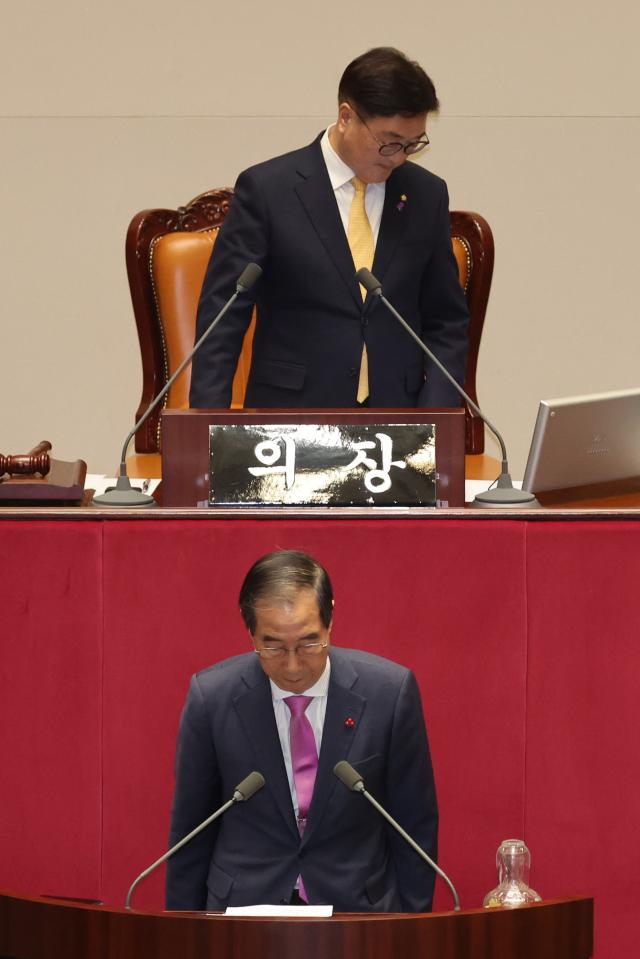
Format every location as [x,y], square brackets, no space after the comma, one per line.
[302,912]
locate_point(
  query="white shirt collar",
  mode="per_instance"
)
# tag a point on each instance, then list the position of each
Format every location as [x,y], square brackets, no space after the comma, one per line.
[339,172]
[319,688]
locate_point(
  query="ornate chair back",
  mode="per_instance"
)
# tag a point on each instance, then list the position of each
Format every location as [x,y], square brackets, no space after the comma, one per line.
[167,252]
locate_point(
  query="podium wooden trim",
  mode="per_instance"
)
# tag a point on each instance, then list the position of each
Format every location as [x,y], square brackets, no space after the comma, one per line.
[37,928]
[185,445]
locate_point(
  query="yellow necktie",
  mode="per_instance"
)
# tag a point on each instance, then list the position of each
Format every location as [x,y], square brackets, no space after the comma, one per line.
[360,238]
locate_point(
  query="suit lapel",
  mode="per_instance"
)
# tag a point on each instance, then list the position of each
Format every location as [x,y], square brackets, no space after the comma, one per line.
[316,195]
[255,710]
[392,224]
[337,738]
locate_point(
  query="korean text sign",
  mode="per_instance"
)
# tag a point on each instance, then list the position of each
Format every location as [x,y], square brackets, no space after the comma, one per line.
[314,464]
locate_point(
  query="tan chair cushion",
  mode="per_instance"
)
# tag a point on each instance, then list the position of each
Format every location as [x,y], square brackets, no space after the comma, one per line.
[463,259]
[179,263]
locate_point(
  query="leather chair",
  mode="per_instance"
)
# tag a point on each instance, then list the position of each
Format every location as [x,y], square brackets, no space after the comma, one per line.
[167,252]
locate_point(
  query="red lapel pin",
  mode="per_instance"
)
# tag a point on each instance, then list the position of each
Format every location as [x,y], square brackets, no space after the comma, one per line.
[349,722]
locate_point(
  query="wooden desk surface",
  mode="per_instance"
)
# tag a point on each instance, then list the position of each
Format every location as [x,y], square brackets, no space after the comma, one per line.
[606,497]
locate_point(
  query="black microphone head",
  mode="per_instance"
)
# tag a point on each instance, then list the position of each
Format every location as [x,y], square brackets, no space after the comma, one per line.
[251,273]
[348,775]
[368,281]
[250,784]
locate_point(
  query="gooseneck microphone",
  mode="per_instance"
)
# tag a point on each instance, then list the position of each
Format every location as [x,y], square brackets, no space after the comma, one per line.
[353,781]
[123,493]
[503,495]
[243,791]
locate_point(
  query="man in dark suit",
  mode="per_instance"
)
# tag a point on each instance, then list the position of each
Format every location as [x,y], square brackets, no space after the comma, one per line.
[317,342]
[300,839]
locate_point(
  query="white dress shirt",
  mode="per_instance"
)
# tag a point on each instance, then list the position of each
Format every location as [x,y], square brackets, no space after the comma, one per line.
[315,713]
[341,175]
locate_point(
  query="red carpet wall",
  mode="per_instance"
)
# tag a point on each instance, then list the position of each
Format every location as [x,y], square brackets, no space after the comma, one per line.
[523,636]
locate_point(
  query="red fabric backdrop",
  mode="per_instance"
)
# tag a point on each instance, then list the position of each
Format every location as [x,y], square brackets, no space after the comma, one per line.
[522,636]
[51,707]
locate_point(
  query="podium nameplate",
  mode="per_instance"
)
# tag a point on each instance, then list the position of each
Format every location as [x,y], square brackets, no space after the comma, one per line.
[321,464]
[186,477]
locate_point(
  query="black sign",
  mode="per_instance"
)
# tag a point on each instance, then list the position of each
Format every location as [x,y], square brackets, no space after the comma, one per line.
[314,464]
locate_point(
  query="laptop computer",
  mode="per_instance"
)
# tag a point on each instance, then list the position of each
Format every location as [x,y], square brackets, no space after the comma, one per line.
[583,440]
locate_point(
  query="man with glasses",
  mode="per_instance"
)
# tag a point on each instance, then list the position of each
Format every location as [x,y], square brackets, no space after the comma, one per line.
[311,219]
[291,709]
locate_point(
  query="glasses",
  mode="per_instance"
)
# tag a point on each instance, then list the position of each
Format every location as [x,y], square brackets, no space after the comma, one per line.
[390,149]
[302,649]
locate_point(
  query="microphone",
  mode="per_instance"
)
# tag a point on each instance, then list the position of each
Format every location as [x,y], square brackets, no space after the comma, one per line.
[248,787]
[353,781]
[250,275]
[504,495]
[123,493]
[243,792]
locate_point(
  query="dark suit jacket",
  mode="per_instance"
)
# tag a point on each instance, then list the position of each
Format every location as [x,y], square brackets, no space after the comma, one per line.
[347,856]
[311,319]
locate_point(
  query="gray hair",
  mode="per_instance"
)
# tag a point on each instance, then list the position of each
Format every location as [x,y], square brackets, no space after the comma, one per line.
[279,574]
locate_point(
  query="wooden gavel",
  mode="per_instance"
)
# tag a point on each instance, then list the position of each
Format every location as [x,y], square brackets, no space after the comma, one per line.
[27,464]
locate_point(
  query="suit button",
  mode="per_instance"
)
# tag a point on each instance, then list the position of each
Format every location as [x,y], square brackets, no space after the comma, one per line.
[352,371]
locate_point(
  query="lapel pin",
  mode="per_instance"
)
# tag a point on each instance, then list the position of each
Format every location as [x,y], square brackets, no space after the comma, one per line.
[403,200]
[349,723]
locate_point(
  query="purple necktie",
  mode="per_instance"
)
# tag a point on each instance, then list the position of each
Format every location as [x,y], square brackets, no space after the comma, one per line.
[304,755]
[304,760]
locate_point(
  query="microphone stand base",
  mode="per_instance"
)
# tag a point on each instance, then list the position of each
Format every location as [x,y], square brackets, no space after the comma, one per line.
[506,498]
[125,496]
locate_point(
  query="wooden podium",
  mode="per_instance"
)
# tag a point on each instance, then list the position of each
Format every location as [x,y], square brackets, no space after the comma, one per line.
[35,928]
[185,444]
